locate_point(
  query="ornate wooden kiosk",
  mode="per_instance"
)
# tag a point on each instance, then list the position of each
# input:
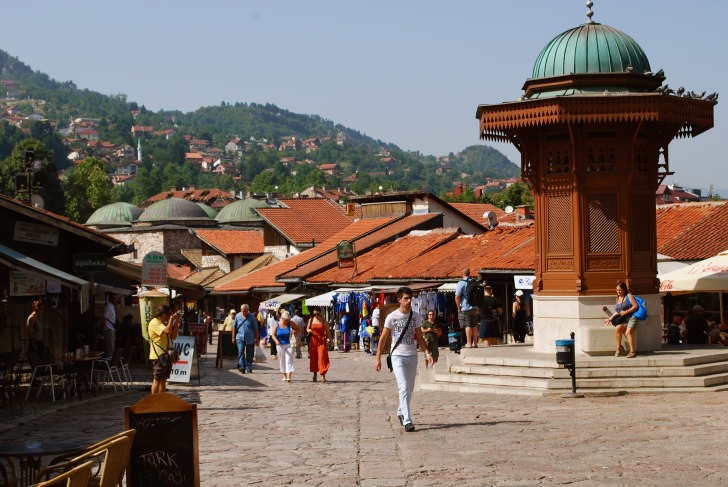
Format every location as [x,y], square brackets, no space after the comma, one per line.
[593,129]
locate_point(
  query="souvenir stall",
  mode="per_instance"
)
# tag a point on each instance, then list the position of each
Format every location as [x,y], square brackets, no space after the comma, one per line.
[447,311]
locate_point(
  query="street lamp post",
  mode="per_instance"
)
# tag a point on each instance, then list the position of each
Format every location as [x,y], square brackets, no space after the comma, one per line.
[30,180]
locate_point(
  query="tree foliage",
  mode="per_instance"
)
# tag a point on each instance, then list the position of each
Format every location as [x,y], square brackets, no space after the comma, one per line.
[87,189]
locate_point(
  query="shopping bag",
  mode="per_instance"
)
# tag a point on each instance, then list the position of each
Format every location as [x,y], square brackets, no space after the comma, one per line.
[259,355]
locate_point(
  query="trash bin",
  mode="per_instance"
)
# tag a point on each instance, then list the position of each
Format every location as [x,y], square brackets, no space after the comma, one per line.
[453,341]
[565,352]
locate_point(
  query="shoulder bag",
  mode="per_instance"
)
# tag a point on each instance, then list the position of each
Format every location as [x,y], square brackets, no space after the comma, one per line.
[389,357]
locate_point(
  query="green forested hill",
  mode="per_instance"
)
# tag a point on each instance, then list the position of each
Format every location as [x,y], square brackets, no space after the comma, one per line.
[373,162]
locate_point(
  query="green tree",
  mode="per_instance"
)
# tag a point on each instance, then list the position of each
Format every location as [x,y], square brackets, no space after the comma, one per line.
[87,189]
[514,195]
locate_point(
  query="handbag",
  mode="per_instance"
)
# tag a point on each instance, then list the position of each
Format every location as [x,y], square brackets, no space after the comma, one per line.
[389,357]
[641,313]
[293,339]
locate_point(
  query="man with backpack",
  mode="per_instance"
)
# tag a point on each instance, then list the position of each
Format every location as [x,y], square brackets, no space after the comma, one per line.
[468,294]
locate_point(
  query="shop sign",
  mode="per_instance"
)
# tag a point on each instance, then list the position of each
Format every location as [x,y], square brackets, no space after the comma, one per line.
[35,233]
[26,284]
[524,282]
[92,262]
[154,270]
[345,253]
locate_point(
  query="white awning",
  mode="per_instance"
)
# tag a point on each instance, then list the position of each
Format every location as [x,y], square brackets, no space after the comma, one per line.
[278,301]
[321,300]
[448,287]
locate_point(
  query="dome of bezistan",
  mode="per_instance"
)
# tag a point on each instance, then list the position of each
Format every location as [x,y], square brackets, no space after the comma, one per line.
[174,210]
[119,214]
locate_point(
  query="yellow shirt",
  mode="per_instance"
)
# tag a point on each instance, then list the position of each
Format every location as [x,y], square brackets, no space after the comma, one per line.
[158,340]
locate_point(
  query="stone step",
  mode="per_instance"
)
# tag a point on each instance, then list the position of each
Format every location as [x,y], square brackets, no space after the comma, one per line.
[619,371]
[584,383]
[667,359]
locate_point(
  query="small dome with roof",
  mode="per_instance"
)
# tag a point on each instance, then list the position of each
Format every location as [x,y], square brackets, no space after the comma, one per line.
[119,214]
[241,211]
[174,210]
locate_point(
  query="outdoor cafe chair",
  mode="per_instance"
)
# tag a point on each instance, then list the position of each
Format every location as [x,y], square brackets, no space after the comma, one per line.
[124,364]
[8,475]
[10,378]
[76,477]
[111,457]
[47,373]
[102,371]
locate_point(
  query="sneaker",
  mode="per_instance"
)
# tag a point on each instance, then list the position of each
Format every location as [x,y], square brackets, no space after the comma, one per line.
[409,427]
[242,371]
[249,371]
[401,418]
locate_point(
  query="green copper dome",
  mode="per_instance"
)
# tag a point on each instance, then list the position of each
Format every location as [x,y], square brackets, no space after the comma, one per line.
[173,210]
[588,49]
[241,211]
[210,211]
[114,215]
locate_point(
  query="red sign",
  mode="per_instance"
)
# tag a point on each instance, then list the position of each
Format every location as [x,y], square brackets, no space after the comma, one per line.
[346,263]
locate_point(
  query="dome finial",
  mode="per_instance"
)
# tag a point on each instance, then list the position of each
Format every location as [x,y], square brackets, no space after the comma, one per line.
[589,13]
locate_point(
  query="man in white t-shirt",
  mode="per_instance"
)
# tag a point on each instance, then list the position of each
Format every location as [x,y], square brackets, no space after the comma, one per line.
[404,323]
[108,327]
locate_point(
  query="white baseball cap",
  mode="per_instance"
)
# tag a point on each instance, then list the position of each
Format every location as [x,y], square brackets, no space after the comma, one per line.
[519,293]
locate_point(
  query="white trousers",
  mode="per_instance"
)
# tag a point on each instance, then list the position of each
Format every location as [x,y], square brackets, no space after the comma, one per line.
[285,358]
[405,371]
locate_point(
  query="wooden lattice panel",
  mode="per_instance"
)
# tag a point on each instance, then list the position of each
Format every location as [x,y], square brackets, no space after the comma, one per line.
[642,212]
[641,159]
[603,223]
[601,159]
[558,159]
[560,239]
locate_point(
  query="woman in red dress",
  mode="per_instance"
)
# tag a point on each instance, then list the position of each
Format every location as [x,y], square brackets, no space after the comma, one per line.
[317,347]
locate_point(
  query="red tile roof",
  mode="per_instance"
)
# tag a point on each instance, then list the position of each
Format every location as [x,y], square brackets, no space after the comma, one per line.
[266,277]
[215,198]
[476,210]
[233,242]
[511,248]
[381,259]
[367,242]
[306,220]
[692,231]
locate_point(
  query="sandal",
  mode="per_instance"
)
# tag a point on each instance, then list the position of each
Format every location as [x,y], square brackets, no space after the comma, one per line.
[618,352]
[323,379]
[631,354]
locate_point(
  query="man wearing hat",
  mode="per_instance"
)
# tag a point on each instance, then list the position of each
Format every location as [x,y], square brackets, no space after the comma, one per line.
[697,327]
[227,325]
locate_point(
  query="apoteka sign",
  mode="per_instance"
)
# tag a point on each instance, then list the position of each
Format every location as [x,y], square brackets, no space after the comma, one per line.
[154,270]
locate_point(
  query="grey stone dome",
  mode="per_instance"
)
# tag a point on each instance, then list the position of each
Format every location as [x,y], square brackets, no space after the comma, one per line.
[174,210]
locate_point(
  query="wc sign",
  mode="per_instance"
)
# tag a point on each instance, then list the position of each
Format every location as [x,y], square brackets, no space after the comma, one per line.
[182,369]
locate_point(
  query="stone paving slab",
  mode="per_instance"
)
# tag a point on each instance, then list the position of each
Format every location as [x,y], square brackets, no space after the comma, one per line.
[256,430]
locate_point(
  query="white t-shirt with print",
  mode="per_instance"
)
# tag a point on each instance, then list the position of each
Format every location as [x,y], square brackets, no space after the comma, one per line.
[396,321]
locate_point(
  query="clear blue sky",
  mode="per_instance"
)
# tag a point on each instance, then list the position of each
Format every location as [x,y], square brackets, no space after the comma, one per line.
[410,72]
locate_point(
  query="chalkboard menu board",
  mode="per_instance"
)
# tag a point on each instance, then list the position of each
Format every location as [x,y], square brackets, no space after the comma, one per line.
[165,450]
[225,348]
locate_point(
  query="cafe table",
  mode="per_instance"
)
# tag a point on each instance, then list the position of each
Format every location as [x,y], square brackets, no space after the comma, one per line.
[82,367]
[29,455]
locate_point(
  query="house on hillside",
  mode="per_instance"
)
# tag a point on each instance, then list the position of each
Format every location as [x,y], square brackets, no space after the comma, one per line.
[672,193]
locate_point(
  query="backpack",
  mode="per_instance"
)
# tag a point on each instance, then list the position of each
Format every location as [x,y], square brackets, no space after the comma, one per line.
[474,293]
[673,334]
[641,313]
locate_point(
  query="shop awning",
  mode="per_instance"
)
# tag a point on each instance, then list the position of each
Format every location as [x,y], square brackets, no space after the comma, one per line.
[321,300]
[14,259]
[448,287]
[278,301]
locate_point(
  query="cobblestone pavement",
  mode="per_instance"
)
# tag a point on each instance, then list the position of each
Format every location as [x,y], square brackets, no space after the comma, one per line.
[257,430]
